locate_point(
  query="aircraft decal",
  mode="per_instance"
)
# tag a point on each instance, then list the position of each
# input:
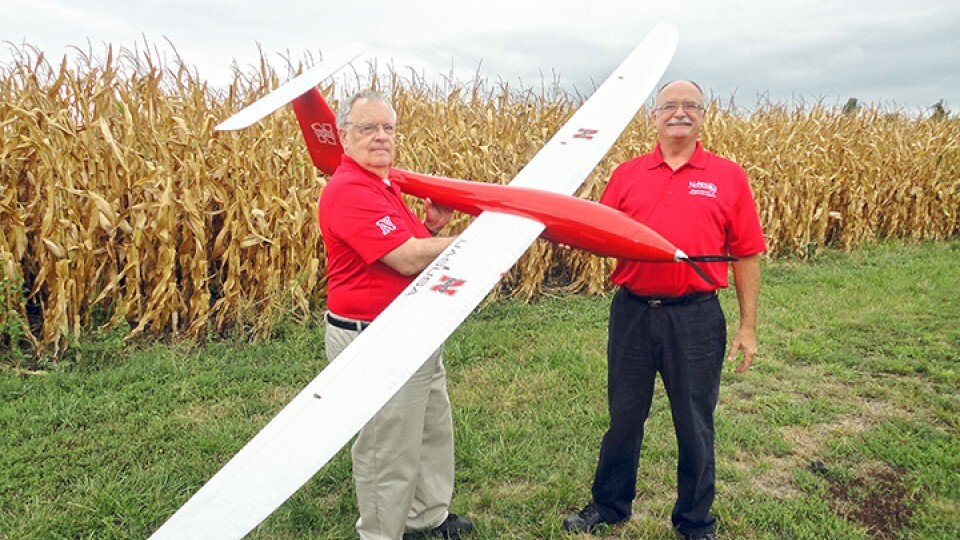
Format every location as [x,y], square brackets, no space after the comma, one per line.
[324,133]
[448,286]
[439,265]
[585,133]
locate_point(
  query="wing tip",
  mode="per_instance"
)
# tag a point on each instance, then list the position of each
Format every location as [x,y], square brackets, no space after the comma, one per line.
[252,113]
[227,125]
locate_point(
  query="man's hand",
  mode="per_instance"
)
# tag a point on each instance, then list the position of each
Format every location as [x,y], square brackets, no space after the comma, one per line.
[437,216]
[746,277]
[745,340]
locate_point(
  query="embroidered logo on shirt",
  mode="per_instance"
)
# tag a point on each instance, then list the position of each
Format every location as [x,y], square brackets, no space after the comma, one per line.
[324,133]
[386,226]
[705,189]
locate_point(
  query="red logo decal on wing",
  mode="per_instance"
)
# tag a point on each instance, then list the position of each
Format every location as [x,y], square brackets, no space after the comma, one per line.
[585,133]
[448,285]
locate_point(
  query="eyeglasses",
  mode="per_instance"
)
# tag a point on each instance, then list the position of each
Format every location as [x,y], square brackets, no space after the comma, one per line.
[369,129]
[688,106]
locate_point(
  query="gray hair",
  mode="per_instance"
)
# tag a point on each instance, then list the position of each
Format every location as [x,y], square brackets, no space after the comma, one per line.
[695,85]
[347,106]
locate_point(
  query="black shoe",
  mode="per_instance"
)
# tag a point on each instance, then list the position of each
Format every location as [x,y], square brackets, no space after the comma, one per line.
[586,520]
[700,536]
[451,528]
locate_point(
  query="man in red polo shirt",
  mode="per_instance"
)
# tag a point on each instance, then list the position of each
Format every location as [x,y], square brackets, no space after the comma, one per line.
[666,319]
[375,246]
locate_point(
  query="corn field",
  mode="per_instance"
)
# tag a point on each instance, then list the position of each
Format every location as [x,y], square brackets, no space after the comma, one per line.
[123,208]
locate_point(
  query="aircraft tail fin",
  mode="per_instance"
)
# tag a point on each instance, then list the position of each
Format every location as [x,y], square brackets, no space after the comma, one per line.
[319,126]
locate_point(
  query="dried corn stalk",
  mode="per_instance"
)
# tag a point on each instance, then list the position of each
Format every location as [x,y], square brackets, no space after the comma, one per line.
[121,206]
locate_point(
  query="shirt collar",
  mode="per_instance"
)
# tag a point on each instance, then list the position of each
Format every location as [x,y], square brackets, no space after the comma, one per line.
[349,163]
[698,160]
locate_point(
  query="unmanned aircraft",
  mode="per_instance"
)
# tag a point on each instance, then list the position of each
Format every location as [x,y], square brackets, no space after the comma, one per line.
[333,407]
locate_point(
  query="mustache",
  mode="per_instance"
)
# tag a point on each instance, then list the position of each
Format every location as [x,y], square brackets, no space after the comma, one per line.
[680,122]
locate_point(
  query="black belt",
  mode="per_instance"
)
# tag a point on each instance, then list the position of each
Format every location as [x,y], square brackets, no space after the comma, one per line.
[658,301]
[356,326]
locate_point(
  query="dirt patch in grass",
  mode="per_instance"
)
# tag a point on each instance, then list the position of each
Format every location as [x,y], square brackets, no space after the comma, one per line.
[876,499]
[777,482]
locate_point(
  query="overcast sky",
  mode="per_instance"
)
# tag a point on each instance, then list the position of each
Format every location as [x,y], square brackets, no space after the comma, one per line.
[893,53]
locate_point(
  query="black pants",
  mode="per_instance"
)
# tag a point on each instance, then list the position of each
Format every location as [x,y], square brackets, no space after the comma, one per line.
[685,343]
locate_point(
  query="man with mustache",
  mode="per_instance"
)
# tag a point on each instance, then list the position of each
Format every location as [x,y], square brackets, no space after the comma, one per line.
[666,319]
[375,246]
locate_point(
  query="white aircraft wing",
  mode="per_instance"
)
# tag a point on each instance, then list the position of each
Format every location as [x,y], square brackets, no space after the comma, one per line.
[285,94]
[323,417]
[597,124]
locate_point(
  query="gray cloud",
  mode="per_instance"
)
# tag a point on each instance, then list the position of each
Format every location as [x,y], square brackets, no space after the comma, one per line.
[881,51]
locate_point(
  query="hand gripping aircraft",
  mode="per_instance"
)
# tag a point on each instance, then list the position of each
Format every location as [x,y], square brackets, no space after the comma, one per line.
[333,407]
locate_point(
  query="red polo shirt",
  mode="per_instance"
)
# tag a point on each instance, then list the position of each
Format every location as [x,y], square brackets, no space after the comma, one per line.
[704,208]
[362,218]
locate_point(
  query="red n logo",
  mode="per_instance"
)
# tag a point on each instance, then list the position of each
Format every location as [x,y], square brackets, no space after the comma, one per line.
[585,133]
[448,285]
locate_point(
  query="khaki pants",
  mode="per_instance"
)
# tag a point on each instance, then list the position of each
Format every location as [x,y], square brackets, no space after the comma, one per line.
[403,457]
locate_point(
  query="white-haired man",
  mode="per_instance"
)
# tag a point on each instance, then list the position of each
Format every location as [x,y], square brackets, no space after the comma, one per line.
[375,246]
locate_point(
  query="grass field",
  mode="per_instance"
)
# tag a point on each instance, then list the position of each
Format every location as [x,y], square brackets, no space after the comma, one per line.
[847,426]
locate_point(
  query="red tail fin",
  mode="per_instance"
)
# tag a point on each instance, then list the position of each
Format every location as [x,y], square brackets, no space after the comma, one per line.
[319,127]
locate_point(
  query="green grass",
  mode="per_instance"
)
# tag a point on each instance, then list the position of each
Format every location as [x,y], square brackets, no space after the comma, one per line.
[846,426]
